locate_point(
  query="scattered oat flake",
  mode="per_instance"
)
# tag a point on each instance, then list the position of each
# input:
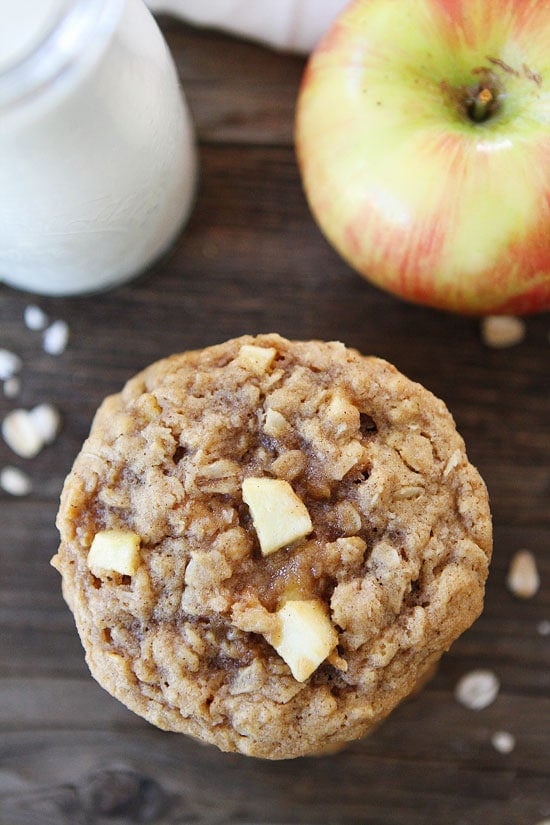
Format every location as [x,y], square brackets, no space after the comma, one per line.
[14,481]
[10,363]
[56,338]
[523,578]
[21,435]
[503,741]
[12,386]
[543,628]
[47,421]
[35,318]
[478,689]
[500,331]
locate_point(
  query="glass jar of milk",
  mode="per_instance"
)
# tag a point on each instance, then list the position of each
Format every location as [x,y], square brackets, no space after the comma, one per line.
[97,153]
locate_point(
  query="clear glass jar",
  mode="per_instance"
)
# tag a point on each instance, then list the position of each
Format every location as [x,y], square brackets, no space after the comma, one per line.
[98,161]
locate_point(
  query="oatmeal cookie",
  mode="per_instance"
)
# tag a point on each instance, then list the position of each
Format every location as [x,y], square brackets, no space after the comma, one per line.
[268,544]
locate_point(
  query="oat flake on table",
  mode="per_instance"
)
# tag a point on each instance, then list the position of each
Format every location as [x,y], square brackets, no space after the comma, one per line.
[56,338]
[35,318]
[523,578]
[10,363]
[503,741]
[478,689]
[14,481]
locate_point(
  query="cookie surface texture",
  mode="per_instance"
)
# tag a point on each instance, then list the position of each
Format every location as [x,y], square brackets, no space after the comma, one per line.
[268,544]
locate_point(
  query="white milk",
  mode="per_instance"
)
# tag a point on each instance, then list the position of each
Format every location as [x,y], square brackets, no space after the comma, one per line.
[23,25]
[97,153]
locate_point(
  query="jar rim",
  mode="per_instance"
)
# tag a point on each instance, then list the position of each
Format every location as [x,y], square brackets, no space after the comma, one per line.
[81,25]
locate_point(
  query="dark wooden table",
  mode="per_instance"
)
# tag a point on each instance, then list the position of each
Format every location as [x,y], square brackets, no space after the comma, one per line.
[251,260]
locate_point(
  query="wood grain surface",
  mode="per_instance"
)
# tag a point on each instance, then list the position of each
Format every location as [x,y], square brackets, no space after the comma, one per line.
[252,260]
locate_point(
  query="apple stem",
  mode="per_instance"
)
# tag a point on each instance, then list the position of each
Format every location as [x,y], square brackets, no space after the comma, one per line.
[480,106]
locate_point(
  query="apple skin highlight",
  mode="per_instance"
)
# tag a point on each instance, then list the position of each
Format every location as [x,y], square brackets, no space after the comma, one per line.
[416,195]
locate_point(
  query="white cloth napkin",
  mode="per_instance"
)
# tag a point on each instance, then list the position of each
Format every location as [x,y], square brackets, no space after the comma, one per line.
[293,25]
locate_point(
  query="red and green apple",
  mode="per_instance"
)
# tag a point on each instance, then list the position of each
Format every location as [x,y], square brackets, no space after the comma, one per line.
[423,139]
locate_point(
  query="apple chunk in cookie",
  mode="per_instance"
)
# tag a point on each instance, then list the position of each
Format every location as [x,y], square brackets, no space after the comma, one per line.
[280,517]
[114,551]
[305,636]
[256,359]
